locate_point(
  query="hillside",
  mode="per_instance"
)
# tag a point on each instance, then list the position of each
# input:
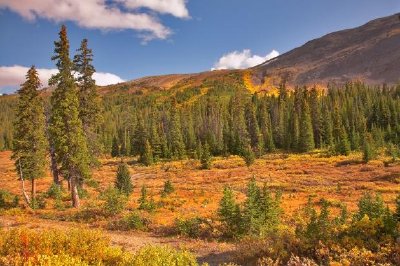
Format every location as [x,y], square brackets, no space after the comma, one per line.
[368,53]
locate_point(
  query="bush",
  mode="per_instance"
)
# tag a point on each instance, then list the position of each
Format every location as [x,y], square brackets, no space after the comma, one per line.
[193,227]
[114,201]
[144,202]
[56,247]
[162,255]
[133,221]
[7,200]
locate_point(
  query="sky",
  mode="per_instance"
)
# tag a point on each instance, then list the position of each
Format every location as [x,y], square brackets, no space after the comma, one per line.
[136,38]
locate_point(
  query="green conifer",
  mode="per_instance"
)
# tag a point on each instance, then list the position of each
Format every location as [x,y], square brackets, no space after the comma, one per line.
[90,111]
[123,181]
[30,144]
[66,128]
[306,138]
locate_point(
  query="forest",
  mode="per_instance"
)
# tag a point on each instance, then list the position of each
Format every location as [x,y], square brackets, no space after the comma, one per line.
[75,128]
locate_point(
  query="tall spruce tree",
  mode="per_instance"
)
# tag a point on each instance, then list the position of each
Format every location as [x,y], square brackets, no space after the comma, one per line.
[177,146]
[147,157]
[306,138]
[30,144]
[90,111]
[115,147]
[66,128]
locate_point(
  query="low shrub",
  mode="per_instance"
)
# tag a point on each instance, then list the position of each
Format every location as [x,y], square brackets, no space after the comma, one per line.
[132,221]
[56,247]
[193,227]
[8,200]
[162,255]
[115,201]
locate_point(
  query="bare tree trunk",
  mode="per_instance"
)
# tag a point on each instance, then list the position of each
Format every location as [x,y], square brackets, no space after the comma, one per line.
[26,197]
[69,183]
[33,193]
[74,192]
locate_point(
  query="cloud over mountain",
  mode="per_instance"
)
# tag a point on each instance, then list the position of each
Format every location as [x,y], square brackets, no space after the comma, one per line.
[241,60]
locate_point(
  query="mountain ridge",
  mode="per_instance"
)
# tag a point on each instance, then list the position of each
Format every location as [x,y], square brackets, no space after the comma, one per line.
[368,53]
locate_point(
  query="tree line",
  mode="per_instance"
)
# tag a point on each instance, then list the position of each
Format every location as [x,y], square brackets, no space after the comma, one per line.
[219,117]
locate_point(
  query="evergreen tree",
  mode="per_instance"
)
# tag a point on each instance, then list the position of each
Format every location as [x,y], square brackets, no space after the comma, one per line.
[266,129]
[229,213]
[90,111]
[368,150]
[66,128]
[397,212]
[177,146]
[248,156]
[251,211]
[306,138]
[30,144]
[253,129]
[327,131]
[123,181]
[168,188]
[343,145]
[147,157]
[270,210]
[206,158]
[144,202]
[115,148]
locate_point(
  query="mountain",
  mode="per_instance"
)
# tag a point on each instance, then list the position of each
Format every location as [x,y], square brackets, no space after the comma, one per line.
[370,53]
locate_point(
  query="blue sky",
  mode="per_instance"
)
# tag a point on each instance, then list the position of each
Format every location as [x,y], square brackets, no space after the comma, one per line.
[146,37]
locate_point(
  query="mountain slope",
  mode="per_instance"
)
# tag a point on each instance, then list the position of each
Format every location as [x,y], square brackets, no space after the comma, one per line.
[370,53]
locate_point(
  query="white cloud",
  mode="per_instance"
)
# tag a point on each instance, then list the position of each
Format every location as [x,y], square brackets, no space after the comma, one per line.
[103,79]
[13,76]
[176,8]
[103,14]
[244,59]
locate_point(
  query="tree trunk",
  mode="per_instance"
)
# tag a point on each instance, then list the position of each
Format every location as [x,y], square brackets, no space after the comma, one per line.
[33,193]
[26,197]
[53,161]
[54,168]
[74,192]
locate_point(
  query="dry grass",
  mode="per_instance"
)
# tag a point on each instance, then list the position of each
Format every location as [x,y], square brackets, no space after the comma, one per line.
[338,179]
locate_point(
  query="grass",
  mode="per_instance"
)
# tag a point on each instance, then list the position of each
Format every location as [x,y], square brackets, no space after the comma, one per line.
[197,192]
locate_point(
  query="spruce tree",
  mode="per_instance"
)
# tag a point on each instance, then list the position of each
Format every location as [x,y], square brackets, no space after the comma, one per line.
[114,147]
[306,138]
[206,158]
[343,145]
[251,211]
[229,213]
[177,146]
[248,156]
[266,129]
[90,111]
[368,149]
[168,188]
[30,144]
[66,128]
[123,181]
[147,157]
[253,129]
[397,212]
